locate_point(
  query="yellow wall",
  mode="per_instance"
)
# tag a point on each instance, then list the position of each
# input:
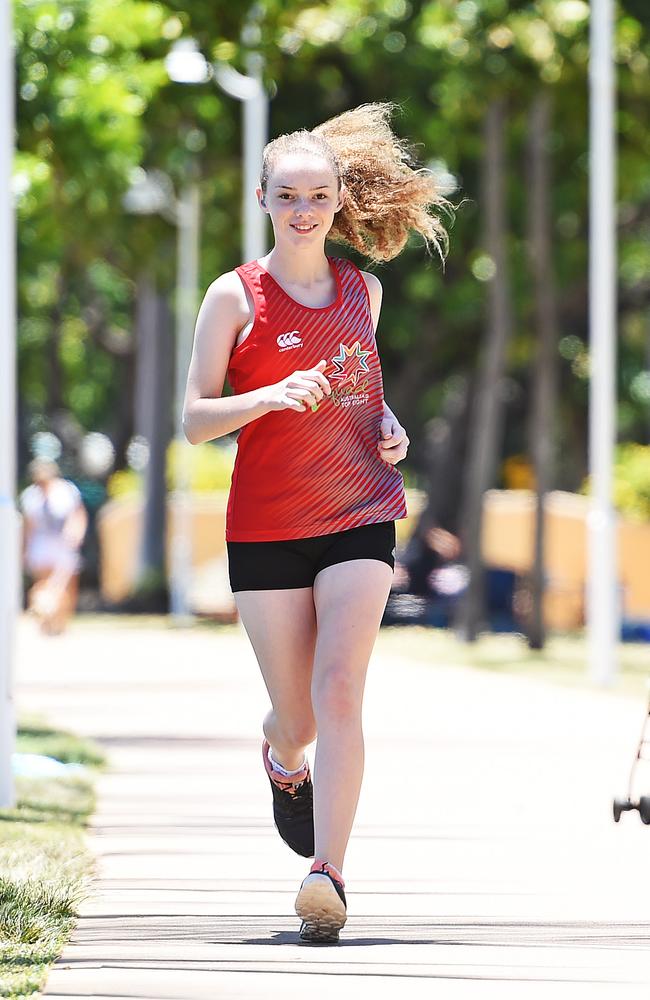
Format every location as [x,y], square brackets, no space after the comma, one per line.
[119,527]
[508,527]
[507,543]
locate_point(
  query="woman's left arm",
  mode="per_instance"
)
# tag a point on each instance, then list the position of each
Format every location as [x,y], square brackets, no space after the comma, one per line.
[75,527]
[393,439]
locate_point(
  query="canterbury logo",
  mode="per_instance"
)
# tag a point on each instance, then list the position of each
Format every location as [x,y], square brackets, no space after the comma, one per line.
[288,340]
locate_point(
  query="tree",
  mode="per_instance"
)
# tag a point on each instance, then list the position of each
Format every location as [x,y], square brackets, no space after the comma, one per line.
[153,422]
[487,413]
[94,103]
[544,376]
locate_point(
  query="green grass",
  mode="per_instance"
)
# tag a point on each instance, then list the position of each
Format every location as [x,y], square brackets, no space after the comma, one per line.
[114,621]
[44,864]
[564,660]
[35,737]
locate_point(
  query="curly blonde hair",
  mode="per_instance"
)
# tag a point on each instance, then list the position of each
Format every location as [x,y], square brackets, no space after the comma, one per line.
[388,195]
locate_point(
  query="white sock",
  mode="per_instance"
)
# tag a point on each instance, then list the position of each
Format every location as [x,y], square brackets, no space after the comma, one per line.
[282,770]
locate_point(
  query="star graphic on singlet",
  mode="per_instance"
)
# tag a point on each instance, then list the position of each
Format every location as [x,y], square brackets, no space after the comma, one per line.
[350,363]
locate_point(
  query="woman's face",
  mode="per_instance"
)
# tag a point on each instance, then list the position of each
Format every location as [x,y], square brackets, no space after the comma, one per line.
[302,198]
[43,473]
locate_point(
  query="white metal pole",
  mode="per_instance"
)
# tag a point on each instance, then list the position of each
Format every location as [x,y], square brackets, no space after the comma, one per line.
[256,114]
[9,542]
[187,265]
[603,613]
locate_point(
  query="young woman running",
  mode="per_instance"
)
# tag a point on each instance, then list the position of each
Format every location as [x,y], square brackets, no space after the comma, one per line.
[315,493]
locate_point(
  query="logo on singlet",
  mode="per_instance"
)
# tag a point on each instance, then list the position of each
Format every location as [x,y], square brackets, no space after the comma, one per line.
[351,379]
[287,341]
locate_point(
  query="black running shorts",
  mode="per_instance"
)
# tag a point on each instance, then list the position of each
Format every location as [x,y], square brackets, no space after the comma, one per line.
[288,565]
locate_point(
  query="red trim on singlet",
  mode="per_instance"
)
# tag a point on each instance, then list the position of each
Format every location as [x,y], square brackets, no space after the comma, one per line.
[299,475]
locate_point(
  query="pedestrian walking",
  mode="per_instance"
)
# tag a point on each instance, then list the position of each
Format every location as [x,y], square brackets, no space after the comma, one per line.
[54,526]
[315,492]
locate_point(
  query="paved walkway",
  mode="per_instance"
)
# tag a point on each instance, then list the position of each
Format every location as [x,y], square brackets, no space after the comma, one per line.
[484,861]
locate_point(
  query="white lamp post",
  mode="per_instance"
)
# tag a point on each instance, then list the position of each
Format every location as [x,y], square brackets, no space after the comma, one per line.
[9,532]
[250,90]
[603,615]
[186,64]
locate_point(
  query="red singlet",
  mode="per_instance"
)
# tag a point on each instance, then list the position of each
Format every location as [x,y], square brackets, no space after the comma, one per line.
[298,475]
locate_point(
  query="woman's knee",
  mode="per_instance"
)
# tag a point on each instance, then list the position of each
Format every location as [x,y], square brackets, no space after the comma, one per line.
[336,693]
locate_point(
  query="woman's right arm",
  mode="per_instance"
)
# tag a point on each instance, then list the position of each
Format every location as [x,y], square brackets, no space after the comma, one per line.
[208,415]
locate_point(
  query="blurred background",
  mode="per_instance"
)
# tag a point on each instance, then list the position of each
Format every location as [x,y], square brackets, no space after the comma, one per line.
[129,182]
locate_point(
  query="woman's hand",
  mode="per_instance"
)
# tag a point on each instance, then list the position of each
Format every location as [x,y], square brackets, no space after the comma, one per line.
[299,391]
[393,440]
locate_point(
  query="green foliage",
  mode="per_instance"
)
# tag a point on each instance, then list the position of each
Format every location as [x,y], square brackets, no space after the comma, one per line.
[124,483]
[94,102]
[441,63]
[81,95]
[632,480]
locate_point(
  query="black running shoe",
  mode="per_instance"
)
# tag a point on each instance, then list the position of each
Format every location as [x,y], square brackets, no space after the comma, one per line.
[321,905]
[293,806]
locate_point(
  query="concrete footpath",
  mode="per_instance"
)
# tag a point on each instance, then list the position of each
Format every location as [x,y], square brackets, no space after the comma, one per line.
[484,861]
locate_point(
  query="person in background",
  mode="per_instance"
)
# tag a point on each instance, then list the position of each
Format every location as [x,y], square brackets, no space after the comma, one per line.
[428,552]
[54,526]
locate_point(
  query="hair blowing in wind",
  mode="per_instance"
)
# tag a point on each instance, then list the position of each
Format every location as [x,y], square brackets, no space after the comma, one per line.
[388,194]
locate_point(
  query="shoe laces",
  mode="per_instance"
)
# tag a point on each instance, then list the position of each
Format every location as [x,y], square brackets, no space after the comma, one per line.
[292,785]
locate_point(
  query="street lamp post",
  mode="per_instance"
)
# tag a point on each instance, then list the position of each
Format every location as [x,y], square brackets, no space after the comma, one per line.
[9,531]
[186,64]
[250,90]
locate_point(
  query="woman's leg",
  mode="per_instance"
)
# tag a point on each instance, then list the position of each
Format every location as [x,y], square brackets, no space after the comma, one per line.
[281,625]
[36,604]
[350,598]
[37,577]
[67,605]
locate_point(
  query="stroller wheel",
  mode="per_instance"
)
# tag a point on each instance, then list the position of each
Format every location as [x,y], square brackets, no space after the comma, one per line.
[620,806]
[644,809]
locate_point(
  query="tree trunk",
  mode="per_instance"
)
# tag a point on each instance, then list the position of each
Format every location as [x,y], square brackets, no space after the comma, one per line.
[53,374]
[647,366]
[544,380]
[122,429]
[414,375]
[153,409]
[487,414]
[445,443]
